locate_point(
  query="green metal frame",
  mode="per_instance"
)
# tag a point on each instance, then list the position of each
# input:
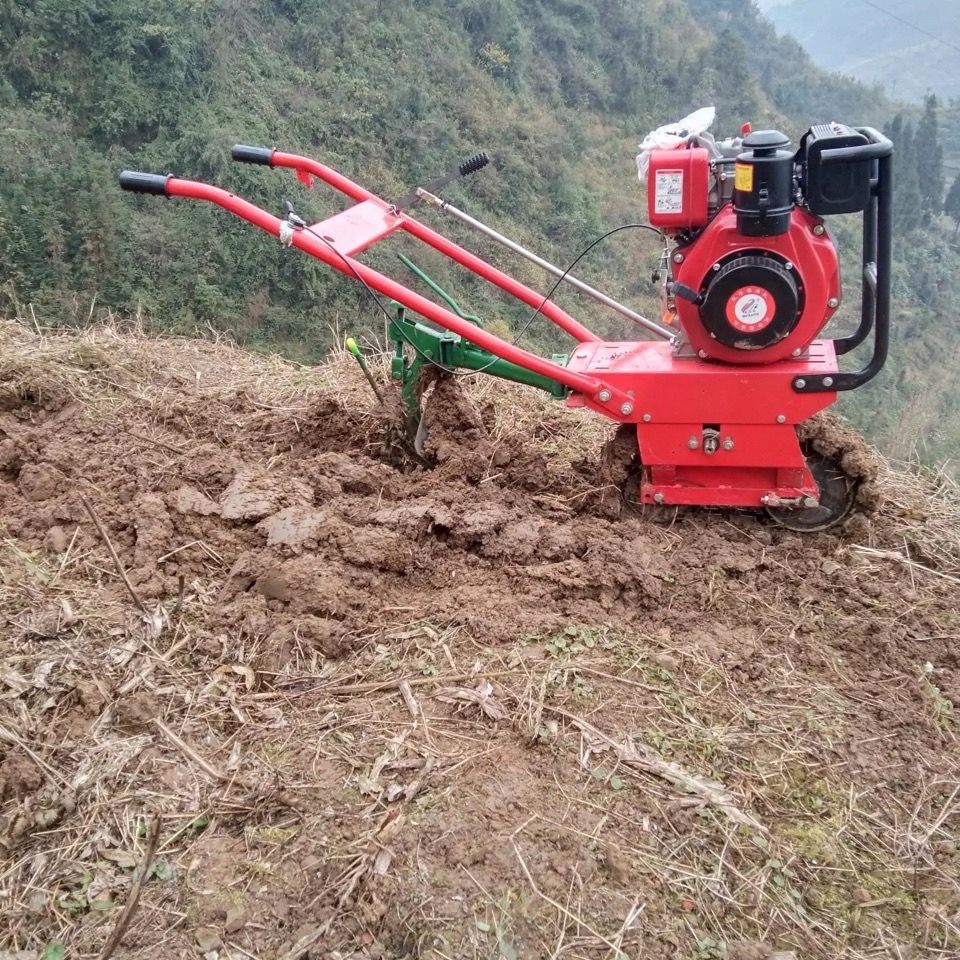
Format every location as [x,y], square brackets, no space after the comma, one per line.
[449,351]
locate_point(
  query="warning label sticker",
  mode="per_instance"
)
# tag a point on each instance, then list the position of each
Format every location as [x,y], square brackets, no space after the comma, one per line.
[668,191]
[744,177]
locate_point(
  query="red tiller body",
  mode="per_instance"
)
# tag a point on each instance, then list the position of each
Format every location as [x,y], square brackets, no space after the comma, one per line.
[677,400]
[715,426]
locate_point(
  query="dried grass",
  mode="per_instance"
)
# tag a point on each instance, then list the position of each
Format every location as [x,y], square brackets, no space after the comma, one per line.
[345,781]
[926,505]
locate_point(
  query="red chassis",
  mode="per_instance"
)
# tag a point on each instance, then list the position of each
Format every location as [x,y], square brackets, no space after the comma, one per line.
[708,433]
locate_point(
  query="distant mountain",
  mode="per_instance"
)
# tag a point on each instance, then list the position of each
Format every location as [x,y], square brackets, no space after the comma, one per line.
[909,47]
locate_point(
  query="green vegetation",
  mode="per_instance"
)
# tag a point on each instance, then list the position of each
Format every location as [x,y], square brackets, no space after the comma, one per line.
[559,93]
[951,206]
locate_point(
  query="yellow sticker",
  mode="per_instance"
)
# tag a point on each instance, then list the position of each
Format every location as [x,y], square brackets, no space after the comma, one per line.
[744,180]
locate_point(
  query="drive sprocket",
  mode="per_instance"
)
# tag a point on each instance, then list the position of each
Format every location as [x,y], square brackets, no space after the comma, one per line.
[846,472]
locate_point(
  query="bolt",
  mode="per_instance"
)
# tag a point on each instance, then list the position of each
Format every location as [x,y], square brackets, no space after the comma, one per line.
[693,443]
[828,381]
[716,267]
[833,303]
[647,417]
[797,353]
[702,354]
[781,418]
[765,499]
[801,383]
[626,409]
[604,396]
[659,498]
[728,443]
[678,258]
[819,230]
[788,265]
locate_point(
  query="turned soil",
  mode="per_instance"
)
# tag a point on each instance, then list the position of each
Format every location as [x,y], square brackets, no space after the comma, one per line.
[464,709]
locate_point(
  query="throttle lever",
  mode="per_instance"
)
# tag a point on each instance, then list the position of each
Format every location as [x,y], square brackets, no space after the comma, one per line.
[291,216]
[471,165]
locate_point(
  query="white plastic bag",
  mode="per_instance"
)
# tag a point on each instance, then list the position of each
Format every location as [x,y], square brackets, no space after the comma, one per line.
[672,135]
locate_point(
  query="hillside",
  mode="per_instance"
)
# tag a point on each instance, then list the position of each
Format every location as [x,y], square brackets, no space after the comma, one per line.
[290,695]
[908,47]
[558,93]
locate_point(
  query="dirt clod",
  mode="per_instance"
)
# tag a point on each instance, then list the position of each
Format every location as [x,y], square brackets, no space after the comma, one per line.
[39,482]
[190,500]
[253,495]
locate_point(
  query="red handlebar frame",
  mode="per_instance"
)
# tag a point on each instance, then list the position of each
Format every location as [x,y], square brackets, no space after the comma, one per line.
[309,243]
[305,167]
[336,240]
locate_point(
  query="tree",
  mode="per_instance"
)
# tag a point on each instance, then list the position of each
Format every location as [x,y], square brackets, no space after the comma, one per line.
[929,154]
[727,68]
[951,206]
[907,198]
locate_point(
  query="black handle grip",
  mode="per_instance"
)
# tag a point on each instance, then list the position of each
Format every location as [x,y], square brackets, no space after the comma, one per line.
[244,154]
[477,162]
[137,182]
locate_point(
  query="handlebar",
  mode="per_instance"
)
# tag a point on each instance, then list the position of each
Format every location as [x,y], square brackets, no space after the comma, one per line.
[244,154]
[878,148]
[877,267]
[137,182]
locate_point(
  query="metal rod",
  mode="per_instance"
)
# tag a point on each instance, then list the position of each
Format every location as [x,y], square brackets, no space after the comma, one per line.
[625,311]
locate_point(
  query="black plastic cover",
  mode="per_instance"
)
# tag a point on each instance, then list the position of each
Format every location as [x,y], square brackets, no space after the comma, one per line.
[833,186]
[747,275]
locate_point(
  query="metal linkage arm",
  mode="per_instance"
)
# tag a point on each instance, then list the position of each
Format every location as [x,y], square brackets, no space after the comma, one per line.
[564,275]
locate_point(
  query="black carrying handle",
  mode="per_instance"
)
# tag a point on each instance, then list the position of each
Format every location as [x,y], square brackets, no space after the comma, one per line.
[244,154]
[877,148]
[877,267]
[137,182]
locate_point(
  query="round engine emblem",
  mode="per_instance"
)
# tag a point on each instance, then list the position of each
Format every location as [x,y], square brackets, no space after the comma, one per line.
[751,309]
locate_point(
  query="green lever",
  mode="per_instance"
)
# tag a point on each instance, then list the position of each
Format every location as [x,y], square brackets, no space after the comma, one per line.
[354,350]
[439,291]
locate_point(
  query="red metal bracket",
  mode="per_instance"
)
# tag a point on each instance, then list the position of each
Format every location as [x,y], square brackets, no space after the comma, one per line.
[359,227]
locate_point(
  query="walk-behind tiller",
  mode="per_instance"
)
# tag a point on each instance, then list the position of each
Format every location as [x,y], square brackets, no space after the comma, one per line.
[751,282]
